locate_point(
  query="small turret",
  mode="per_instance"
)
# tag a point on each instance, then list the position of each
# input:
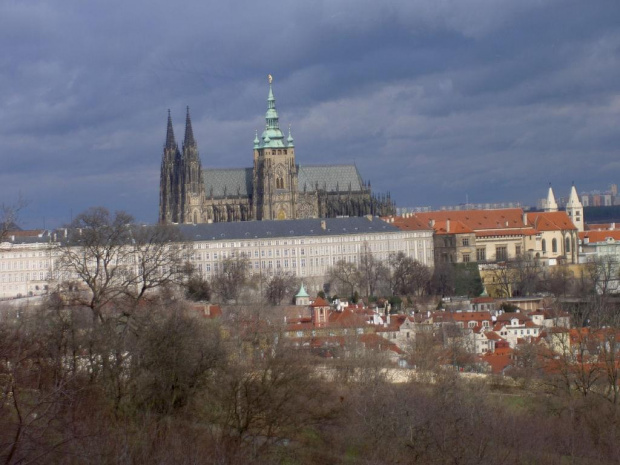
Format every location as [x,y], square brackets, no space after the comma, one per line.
[289,139]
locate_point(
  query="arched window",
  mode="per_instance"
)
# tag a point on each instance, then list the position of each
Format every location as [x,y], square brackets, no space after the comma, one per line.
[544,246]
[554,245]
[567,242]
[195,217]
[279,182]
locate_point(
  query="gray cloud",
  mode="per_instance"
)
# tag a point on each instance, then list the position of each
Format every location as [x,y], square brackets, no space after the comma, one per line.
[433,100]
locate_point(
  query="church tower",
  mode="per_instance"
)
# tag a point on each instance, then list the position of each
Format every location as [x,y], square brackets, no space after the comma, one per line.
[275,173]
[169,198]
[192,186]
[551,205]
[574,209]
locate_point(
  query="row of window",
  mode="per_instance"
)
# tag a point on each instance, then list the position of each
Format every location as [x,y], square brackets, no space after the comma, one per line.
[29,265]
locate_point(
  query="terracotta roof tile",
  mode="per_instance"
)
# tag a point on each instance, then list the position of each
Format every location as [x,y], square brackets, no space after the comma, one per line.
[600,236]
[550,221]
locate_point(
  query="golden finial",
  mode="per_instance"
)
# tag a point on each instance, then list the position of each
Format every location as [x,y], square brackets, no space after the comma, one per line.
[269,78]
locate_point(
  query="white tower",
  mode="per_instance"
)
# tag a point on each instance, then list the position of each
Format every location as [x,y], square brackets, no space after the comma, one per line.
[575,209]
[551,205]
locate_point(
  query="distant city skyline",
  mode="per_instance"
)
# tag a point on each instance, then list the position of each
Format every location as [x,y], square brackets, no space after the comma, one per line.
[436,102]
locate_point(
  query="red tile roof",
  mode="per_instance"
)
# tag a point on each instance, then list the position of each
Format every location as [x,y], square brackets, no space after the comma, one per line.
[600,236]
[319,302]
[478,219]
[408,223]
[550,221]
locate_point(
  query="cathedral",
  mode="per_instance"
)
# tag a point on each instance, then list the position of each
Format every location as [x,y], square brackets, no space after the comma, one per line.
[275,188]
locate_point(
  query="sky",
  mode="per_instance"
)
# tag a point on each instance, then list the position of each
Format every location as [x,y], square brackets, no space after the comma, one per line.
[435,101]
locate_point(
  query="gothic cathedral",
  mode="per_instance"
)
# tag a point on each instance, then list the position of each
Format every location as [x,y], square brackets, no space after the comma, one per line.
[275,188]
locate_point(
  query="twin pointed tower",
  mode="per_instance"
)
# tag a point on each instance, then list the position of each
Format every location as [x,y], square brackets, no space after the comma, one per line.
[181,184]
[275,188]
[574,208]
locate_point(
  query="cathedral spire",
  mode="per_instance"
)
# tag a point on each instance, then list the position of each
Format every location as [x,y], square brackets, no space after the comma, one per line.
[272,114]
[170,142]
[189,133]
[272,135]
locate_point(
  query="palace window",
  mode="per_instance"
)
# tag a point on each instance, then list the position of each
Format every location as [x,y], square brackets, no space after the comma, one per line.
[501,253]
[465,258]
[481,254]
[465,241]
[554,245]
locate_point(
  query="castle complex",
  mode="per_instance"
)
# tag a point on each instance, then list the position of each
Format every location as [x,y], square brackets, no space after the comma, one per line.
[275,188]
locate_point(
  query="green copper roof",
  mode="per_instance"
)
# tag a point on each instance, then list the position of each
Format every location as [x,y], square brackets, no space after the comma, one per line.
[302,292]
[272,136]
[289,139]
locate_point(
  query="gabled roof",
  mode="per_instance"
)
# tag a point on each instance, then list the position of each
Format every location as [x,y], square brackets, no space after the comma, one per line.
[550,221]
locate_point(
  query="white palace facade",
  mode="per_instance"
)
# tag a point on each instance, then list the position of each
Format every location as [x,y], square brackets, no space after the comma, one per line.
[307,248]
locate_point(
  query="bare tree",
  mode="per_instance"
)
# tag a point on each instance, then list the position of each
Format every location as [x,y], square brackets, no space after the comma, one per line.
[559,280]
[112,258]
[280,286]
[231,278]
[344,276]
[502,280]
[409,277]
[443,279]
[159,252]
[97,256]
[372,272]
[9,214]
[526,274]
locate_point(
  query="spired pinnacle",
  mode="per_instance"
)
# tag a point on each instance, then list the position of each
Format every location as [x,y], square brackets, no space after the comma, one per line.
[272,135]
[189,133]
[289,139]
[170,142]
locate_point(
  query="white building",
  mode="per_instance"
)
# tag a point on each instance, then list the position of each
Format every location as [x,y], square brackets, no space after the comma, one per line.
[26,264]
[306,248]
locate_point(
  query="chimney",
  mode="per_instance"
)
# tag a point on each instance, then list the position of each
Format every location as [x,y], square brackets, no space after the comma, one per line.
[431,223]
[525,218]
[612,226]
[586,240]
[447,225]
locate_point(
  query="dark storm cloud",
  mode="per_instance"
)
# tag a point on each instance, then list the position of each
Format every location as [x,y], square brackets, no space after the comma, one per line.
[433,100]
